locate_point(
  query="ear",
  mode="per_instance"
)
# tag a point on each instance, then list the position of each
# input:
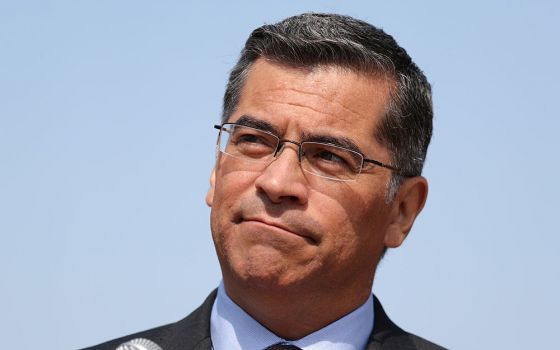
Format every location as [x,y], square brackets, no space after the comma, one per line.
[210,194]
[406,206]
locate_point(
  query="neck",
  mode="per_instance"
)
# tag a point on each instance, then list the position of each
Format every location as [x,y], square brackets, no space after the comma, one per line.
[293,312]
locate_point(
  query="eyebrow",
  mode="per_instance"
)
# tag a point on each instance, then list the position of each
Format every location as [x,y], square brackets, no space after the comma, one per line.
[340,141]
[247,120]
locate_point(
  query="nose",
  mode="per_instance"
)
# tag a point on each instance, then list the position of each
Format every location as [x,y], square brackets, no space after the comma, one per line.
[283,180]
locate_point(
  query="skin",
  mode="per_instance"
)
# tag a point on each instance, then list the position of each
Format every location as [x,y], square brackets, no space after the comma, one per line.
[297,251]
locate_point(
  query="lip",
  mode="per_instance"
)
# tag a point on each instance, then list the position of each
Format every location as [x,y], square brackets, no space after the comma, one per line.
[282,227]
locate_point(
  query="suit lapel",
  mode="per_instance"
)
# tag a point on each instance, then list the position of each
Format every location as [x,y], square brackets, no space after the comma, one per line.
[192,332]
[386,335]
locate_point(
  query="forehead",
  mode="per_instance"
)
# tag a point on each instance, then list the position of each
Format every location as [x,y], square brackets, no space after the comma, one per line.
[325,99]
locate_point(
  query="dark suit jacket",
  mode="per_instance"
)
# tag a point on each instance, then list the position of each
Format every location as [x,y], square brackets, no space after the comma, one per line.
[193,333]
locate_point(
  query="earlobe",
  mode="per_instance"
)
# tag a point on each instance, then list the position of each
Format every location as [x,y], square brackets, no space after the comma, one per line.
[408,203]
[210,194]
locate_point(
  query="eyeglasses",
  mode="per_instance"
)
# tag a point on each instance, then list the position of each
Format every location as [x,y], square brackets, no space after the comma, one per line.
[320,159]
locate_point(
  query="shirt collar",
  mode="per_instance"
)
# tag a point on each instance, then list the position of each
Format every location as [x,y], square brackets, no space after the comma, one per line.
[231,328]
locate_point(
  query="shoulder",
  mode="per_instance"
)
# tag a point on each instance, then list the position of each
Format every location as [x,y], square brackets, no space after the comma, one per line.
[192,331]
[387,335]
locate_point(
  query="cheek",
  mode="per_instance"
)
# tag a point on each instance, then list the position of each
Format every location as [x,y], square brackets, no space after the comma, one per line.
[230,183]
[339,223]
[355,224]
[230,186]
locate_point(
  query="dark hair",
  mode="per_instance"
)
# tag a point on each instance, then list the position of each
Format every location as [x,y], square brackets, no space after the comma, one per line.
[312,39]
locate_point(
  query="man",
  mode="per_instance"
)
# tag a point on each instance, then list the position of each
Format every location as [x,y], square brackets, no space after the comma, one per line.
[325,129]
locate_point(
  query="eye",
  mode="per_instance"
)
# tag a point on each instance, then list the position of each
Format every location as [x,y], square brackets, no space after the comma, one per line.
[330,157]
[251,142]
[251,139]
[330,160]
[248,138]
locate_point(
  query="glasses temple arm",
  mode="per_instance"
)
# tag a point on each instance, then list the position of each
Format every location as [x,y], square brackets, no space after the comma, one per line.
[378,163]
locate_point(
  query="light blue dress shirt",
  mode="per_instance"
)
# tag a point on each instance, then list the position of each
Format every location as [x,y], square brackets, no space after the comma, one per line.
[231,328]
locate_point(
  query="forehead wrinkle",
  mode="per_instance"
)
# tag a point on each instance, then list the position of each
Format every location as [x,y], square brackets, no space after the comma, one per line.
[315,95]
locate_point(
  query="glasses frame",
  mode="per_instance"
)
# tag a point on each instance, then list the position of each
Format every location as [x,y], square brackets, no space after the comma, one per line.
[281,143]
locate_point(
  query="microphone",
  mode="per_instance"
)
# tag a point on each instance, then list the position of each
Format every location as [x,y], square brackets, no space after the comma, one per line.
[139,344]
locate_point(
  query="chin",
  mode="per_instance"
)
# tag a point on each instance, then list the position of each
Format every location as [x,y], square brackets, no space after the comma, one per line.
[261,271]
[267,273]
[266,264]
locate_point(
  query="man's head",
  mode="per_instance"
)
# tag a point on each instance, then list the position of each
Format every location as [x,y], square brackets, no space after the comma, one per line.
[311,40]
[280,227]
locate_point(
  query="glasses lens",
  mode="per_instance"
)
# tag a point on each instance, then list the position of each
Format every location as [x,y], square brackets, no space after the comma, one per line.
[331,161]
[247,143]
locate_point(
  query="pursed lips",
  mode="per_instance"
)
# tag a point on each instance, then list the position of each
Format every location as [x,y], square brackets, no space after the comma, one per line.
[291,230]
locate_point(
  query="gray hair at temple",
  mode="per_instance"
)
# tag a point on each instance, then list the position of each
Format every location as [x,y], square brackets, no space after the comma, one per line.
[312,39]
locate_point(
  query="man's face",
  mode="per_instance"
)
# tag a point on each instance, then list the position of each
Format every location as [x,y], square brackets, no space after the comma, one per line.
[280,227]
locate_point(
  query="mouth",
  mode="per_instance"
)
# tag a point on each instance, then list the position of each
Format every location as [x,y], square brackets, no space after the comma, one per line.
[282,228]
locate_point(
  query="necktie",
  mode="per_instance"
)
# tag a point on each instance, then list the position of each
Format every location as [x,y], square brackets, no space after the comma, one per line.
[282,347]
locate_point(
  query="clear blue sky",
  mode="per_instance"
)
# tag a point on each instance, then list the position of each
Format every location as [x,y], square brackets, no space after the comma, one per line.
[106,145]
